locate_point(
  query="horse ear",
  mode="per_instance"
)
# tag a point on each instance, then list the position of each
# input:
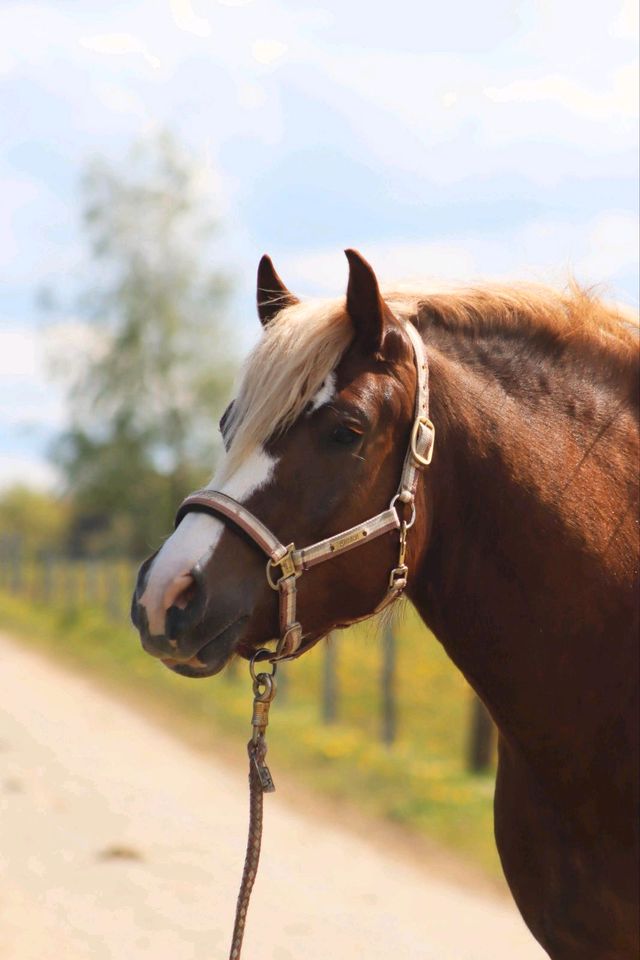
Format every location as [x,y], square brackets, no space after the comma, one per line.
[365,306]
[272,295]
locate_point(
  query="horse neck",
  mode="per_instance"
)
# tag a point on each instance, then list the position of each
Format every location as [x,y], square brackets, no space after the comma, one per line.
[526,579]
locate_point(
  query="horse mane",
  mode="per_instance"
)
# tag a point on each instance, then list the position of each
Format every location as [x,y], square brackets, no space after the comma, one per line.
[575,315]
[305,341]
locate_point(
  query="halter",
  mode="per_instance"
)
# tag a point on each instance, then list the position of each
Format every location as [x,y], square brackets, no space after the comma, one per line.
[286,564]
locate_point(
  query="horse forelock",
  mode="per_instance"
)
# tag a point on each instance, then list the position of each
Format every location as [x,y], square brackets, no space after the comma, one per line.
[299,350]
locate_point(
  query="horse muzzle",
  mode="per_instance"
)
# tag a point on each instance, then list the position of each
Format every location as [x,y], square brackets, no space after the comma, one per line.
[199,637]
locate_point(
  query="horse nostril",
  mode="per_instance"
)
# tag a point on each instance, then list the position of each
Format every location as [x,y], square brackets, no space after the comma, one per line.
[180,592]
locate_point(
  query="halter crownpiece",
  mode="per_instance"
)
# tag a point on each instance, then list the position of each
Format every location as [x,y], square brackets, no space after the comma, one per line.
[285,564]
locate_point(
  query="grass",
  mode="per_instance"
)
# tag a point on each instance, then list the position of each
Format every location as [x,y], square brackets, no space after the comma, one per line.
[419,782]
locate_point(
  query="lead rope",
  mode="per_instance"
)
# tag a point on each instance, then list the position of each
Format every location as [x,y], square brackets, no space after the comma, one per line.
[260,782]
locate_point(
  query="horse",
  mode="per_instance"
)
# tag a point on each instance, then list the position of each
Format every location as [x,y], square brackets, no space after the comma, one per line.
[520,546]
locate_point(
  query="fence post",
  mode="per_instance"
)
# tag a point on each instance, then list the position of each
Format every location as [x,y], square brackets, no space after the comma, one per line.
[330,681]
[481,736]
[388,673]
[91,585]
[69,584]
[17,570]
[47,578]
[114,606]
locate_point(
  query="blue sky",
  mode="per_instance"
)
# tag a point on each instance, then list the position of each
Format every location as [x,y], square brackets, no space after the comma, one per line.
[451,141]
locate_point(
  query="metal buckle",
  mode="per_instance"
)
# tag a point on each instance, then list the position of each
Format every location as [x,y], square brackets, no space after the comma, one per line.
[287,568]
[289,642]
[422,422]
[398,577]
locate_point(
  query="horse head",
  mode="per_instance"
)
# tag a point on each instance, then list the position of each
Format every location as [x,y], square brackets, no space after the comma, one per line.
[315,440]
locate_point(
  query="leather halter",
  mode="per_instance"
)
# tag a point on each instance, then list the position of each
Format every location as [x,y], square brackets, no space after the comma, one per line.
[293,562]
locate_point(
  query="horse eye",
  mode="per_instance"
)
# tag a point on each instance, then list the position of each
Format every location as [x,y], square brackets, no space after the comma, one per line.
[344,435]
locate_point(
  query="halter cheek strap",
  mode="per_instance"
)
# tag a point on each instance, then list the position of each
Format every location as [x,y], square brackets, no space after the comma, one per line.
[285,564]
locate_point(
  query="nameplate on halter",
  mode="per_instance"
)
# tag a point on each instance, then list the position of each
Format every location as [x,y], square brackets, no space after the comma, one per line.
[348,540]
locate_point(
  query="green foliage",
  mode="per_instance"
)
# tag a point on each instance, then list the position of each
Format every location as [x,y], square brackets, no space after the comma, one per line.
[34,520]
[159,365]
[122,504]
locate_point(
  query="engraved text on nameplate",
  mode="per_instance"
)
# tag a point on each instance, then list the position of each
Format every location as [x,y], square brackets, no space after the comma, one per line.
[348,540]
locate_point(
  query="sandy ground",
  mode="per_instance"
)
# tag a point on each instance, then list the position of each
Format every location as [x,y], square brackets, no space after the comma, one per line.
[120,842]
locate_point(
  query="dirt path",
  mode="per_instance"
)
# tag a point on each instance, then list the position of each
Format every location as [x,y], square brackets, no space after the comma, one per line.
[119,843]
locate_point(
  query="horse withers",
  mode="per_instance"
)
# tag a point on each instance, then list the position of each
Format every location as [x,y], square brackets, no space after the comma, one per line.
[521,554]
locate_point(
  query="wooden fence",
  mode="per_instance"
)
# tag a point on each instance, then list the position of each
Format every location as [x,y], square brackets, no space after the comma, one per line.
[106,584]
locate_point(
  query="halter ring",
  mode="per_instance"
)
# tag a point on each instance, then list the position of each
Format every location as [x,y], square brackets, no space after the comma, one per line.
[259,678]
[412,519]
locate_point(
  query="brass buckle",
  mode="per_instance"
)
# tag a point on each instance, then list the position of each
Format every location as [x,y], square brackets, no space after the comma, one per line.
[417,424]
[287,568]
[290,641]
[398,577]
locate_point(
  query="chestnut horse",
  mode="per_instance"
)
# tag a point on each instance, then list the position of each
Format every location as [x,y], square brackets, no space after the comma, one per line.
[523,558]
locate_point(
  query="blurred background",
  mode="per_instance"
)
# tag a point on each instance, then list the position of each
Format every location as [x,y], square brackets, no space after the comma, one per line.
[151,152]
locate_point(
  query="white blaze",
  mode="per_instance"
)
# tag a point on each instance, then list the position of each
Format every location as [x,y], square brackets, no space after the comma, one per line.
[325,393]
[199,533]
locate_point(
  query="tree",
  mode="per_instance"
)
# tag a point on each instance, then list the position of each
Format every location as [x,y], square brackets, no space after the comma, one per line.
[145,400]
[32,521]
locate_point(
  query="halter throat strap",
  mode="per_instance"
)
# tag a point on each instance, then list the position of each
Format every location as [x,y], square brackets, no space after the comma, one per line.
[286,564]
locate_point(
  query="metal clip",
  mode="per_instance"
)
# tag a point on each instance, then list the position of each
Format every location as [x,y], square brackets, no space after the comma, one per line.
[399,574]
[264,690]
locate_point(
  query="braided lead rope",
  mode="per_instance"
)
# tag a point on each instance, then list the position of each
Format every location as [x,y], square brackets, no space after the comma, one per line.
[260,782]
[257,752]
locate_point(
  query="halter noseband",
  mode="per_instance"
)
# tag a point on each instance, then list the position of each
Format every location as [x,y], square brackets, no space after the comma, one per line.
[293,562]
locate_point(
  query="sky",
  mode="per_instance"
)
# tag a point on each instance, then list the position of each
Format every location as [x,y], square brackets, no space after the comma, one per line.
[446,141]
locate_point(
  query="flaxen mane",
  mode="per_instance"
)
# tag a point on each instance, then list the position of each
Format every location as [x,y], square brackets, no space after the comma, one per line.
[304,342]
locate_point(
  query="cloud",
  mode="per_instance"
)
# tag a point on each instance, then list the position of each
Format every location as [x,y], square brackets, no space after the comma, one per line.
[27,397]
[530,104]
[35,367]
[118,44]
[120,99]
[603,251]
[186,19]
[620,99]
[610,246]
[19,354]
[268,51]
[625,25]
[30,228]
[30,471]
[326,270]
